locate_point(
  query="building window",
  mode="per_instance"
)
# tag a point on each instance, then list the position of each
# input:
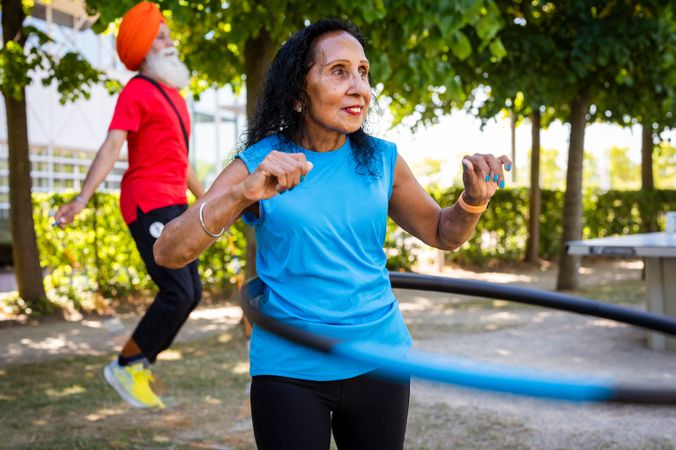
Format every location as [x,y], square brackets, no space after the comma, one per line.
[56,170]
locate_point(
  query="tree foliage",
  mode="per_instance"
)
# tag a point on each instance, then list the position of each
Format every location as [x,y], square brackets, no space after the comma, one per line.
[624,173]
[587,60]
[621,51]
[411,42]
[27,59]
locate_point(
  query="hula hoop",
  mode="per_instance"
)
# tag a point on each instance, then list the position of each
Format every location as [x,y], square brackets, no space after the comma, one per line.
[480,376]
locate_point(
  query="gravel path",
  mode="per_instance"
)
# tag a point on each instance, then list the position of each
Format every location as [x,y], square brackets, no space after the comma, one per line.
[539,341]
[446,417]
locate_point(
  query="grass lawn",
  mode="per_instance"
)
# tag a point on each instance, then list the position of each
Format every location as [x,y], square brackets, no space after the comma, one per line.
[67,404]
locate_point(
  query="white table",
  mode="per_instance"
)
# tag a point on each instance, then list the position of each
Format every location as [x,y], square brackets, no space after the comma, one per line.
[659,251]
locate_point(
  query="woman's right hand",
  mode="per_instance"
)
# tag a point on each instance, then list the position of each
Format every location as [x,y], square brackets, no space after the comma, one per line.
[276,174]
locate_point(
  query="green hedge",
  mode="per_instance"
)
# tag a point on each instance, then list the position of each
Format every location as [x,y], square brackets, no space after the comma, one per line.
[622,212]
[502,231]
[97,253]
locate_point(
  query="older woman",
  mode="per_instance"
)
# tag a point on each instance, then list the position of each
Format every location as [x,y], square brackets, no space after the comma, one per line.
[318,190]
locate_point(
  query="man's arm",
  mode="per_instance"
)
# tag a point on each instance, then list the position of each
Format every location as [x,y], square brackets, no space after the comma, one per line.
[194,183]
[103,163]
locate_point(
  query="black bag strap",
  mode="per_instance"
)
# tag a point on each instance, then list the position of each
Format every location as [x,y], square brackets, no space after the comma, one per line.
[164,93]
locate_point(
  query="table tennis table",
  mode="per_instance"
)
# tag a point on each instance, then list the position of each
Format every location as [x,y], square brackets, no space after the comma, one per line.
[659,252]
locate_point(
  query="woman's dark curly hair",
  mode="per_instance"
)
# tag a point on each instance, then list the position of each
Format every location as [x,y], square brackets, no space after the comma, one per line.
[285,87]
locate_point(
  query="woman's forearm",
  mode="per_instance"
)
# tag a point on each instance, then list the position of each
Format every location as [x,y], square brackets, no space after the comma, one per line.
[184,238]
[456,226]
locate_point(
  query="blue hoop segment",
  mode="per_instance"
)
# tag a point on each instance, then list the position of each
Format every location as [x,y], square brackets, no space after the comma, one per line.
[486,377]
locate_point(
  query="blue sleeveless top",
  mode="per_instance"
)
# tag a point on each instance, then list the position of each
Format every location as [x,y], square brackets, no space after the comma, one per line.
[320,254]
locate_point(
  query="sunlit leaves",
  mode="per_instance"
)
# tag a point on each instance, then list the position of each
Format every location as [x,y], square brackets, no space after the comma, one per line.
[14,68]
[489,23]
[75,77]
[29,4]
[409,40]
[549,50]
[497,49]
[461,47]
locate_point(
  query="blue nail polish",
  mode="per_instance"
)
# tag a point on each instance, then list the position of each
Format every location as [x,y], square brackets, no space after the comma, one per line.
[496,177]
[302,178]
[508,167]
[502,185]
[464,166]
[488,178]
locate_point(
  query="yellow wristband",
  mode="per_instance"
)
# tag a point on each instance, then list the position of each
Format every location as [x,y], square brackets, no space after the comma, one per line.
[470,208]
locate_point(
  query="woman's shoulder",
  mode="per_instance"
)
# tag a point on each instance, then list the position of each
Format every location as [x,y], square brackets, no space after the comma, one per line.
[382,144]
[267,144]
[387,149]
[255,153]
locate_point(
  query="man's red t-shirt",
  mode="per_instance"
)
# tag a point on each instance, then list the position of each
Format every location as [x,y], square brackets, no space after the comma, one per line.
[158,158]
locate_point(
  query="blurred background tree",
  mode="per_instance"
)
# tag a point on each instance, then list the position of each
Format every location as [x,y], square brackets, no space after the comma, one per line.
[584,60]
[24,56]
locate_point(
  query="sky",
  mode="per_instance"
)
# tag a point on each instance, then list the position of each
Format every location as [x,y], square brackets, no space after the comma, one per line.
[459,134]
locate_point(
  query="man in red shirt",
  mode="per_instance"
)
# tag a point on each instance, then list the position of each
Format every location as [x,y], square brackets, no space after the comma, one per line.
[153,118]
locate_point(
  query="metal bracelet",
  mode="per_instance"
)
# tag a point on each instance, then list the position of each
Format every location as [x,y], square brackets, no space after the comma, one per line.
[204,227]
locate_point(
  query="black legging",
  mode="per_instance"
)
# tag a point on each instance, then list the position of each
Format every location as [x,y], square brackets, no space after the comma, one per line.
[365,412]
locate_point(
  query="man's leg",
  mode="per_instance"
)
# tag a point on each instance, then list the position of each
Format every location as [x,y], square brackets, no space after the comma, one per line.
[197,295]
[179,293]
[179,289]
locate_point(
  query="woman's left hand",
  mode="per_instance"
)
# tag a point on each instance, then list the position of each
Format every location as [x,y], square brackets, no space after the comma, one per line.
[482,175]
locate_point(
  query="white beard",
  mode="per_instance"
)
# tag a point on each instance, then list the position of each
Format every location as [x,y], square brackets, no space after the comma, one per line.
[166,67]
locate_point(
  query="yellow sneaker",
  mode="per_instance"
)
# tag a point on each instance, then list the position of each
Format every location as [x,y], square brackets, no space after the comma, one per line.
[132,382]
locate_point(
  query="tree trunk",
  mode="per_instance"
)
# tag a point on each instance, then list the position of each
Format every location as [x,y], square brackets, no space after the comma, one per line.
[24,246]
[258,54]
[572,206]
[532,244]
[647,180]
[512,128]
[648,211]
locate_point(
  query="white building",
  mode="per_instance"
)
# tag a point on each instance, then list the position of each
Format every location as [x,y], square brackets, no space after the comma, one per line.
[64,138]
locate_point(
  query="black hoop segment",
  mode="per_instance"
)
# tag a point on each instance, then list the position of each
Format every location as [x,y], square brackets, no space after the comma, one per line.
[485,377]
[552,300]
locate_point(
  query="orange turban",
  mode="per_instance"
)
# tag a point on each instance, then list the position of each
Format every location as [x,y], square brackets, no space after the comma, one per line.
[138,30]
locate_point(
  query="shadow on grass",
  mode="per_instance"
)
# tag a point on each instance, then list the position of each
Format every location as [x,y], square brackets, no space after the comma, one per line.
[67,404]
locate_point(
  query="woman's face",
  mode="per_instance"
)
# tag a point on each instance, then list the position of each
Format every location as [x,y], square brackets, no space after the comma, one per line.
[337,86]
